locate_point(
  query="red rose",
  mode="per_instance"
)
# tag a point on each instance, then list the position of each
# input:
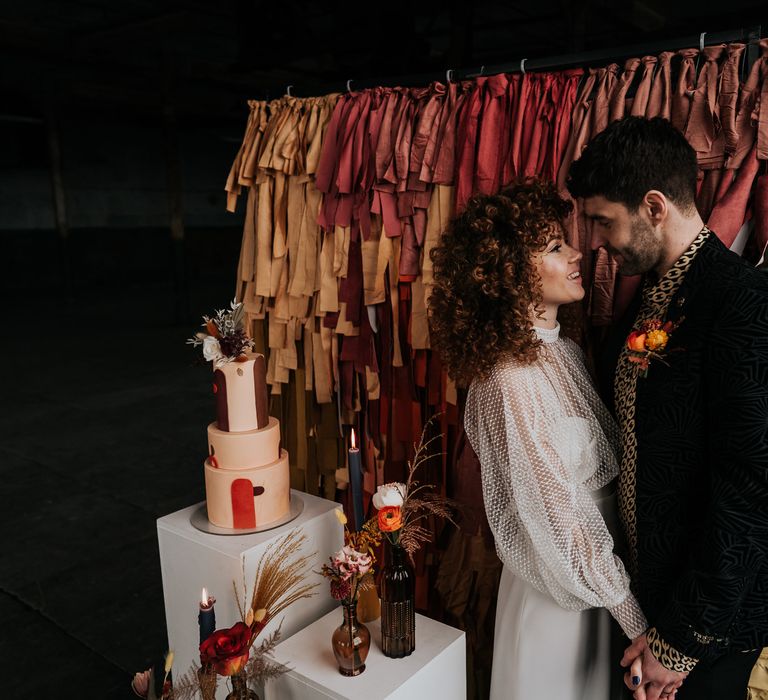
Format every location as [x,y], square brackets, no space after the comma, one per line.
[227,650]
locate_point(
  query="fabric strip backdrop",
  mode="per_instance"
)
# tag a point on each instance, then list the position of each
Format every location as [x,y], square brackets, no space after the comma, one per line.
[345,196]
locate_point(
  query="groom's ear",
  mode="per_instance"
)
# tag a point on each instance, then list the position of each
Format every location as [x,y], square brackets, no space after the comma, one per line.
[656,206]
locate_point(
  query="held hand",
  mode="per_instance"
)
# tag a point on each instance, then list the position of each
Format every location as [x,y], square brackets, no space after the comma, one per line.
[633,678]
[634,656]
[652,681]
[660,683]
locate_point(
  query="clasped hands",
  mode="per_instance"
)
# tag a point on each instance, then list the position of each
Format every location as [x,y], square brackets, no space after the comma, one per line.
[652,681]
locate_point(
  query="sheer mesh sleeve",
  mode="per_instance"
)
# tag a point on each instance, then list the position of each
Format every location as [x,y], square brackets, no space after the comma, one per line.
[546,444]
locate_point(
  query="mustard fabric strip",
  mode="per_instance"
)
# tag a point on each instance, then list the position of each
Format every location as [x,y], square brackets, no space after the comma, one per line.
[758,679]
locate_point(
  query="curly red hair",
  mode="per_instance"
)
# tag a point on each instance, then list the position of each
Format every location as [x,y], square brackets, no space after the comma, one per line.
[485,278]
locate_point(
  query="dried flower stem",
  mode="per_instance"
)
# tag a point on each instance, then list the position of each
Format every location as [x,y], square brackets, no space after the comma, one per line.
[278,581]
[419,501]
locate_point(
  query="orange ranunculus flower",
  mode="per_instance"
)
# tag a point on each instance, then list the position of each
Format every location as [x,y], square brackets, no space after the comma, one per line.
[227,650]
[390,518]
[657,340]
[636,341]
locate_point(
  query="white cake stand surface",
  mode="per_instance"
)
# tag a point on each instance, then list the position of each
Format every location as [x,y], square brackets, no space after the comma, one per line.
[199,520]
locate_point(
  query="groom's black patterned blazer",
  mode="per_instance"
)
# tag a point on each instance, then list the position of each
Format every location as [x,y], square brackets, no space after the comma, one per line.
[702,462]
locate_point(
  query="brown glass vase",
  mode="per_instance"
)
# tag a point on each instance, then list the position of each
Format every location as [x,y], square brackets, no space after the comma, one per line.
[351,642]
[240,689]
[207,679]
[398,614]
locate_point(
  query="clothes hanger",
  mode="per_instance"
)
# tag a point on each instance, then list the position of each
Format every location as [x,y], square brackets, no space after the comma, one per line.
[701,50]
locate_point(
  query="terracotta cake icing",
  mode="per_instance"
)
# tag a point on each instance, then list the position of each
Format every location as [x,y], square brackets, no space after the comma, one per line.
[247,480]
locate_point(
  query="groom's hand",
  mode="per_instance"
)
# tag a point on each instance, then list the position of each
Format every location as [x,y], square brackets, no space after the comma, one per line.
[657,683]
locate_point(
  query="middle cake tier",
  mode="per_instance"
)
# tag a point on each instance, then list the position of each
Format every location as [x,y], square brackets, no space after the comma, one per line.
[246,450]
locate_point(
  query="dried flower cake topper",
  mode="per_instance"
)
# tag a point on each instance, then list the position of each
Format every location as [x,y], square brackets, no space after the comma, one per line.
[225,339]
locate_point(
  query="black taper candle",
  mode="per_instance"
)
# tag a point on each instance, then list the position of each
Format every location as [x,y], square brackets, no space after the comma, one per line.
[206,618]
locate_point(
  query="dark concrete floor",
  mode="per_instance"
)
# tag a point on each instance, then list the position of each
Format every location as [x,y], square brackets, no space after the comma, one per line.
[102,432]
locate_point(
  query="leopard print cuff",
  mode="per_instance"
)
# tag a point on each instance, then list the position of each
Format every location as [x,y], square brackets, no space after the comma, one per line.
[667,655]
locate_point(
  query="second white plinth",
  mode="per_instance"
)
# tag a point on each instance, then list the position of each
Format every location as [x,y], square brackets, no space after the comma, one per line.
[436,669]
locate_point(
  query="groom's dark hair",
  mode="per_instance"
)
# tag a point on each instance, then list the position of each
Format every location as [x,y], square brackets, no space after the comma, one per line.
[632,156]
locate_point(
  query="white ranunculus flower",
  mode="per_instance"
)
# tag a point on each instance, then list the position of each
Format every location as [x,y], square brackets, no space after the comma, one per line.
[389,495]
[212,349]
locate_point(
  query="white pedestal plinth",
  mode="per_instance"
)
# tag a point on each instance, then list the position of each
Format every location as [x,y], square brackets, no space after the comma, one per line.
[191,559]
[436,669]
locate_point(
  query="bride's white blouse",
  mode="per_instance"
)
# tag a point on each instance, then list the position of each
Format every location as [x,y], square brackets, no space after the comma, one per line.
[546,445]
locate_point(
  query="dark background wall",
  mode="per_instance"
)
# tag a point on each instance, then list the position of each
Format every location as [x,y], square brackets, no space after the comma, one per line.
[115,181]
[114,174]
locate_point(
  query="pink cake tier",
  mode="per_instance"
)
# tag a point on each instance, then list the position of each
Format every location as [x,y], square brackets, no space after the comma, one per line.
[245,450]
[248,498]
[247,480]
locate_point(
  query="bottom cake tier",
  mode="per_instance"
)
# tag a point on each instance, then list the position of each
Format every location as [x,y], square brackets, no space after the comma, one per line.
[248,498]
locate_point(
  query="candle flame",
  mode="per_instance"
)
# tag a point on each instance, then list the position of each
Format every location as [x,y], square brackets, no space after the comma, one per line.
[354,443]
[204,597]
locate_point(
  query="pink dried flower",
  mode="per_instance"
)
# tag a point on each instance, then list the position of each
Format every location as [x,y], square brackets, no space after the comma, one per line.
[357,562]
[349,562]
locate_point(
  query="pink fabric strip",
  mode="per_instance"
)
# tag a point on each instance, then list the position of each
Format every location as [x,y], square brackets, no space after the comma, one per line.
[686,85]
[660,99]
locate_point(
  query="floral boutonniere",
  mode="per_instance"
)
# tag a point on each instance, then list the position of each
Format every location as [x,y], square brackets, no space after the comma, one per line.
[650,342]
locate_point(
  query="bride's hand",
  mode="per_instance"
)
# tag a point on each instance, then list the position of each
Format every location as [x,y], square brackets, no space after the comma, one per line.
[633,657]
[634,650]
[633,678]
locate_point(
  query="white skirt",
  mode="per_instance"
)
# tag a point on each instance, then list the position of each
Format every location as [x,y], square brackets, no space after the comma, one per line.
[544,652]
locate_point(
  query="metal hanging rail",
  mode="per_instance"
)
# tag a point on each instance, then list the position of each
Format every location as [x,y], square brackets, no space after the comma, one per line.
[748,35]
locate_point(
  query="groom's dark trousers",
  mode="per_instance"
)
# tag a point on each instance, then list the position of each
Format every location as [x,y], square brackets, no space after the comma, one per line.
[724,679]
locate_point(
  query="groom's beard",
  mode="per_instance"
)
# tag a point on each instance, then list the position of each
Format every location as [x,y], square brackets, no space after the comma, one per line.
[643,252]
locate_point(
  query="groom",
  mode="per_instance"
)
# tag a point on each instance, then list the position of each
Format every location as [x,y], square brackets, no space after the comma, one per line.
[691,398]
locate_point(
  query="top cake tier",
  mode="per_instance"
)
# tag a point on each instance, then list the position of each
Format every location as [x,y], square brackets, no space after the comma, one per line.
[241,395]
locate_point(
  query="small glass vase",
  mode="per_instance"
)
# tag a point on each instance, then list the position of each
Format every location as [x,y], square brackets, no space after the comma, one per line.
[351,642]
[207,679]
[398,614]
[240,689]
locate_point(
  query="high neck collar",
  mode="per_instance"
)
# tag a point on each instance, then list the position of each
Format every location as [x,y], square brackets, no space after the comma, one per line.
[547,335]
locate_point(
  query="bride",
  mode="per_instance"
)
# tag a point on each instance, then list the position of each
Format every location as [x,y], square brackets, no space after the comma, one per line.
[546,443]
